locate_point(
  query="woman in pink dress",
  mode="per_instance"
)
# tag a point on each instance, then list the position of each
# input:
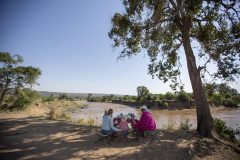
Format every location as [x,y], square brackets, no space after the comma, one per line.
[146,122]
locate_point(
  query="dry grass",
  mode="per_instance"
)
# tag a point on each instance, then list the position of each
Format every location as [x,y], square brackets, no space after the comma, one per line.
[171,126]
[54,108]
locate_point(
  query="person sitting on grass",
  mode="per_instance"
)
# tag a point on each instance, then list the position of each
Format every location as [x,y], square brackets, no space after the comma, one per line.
[146,122]
[107,125]
[123,125]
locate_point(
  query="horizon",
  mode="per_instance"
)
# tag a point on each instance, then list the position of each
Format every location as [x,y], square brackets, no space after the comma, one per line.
[69,42]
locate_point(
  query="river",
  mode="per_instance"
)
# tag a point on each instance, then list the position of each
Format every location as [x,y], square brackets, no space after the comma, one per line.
[163,117]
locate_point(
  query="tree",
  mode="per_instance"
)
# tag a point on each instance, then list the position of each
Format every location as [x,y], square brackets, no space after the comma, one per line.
[89,96]
[14,76]
[162,27]
[23,98]
[142,93]
[63,96]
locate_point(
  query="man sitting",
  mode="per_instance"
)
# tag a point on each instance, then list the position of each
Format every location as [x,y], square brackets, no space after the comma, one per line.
[146,122]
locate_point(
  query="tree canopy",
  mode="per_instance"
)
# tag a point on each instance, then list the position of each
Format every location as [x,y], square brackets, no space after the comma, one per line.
[206,29]
[14,76]
[158,25]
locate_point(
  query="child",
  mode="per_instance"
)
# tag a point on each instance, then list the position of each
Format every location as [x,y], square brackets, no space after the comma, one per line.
[123,125]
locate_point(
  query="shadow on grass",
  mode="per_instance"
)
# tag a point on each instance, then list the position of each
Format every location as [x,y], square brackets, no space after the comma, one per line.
[39,138]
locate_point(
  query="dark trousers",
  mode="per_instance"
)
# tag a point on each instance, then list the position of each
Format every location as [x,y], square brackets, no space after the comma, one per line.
[139,133]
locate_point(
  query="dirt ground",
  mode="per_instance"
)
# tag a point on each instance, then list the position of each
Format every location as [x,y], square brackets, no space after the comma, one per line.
[24,137]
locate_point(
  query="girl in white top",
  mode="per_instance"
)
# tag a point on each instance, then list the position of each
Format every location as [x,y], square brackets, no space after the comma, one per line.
[107,125]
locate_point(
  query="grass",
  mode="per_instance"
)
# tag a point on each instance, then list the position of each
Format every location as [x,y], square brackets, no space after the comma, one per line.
[169,126]
[185,125]
[88,122]
[56,114]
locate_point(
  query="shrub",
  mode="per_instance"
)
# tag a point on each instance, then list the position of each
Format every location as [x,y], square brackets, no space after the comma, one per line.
[224,131]
[230,103]
[48,99]
[169,96]
[217,99]
[23,98]
[182,96]
[165,104]
[185,125]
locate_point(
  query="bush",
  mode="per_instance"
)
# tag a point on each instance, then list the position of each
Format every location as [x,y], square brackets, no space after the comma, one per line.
[230,103]
[165,104]
[48,99]
[169,96]
[24,98]
[185,125]
[217,99]
[223,131]
[183,96]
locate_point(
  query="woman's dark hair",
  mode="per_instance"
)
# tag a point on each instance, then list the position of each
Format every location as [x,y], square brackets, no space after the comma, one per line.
[110,111]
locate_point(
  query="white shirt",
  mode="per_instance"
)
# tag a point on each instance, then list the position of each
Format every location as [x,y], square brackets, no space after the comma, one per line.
[108,123]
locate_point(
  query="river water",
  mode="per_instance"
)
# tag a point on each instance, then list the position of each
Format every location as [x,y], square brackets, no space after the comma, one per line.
[163,117]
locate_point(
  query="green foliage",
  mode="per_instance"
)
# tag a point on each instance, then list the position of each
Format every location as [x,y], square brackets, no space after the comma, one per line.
[217,99]
[224,131]
[150,25]
[142,93]
[222,94]
[14,77]
[185,125]
[21,99]
[49,98]
[63,96]
[182,96]
[165,104]
[169,96]
[230,102]
[89,97]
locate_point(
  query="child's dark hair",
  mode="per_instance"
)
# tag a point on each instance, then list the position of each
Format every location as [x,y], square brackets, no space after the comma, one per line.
[110,111]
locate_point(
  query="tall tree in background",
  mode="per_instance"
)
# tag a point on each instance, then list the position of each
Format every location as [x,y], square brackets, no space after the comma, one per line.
[142,93]
[162,27]
[13,76]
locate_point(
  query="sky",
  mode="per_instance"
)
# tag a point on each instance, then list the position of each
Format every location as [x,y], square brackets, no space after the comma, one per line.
[68,40]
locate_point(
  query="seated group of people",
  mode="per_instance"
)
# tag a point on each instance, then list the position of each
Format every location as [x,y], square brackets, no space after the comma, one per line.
[146,123]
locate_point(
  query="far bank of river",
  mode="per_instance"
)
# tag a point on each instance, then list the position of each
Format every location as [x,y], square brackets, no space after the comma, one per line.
[95,111]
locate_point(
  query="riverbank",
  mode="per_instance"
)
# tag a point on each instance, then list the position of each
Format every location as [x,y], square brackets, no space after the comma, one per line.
[26,137]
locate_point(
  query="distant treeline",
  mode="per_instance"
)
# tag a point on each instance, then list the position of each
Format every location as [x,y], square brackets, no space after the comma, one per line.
[218,94]
[72,95]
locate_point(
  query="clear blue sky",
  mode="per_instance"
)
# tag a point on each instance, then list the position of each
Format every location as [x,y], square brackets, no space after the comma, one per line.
[68,40]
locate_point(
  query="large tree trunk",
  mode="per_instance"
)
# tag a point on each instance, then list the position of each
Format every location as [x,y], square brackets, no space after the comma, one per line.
[204,118]
[2,96]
